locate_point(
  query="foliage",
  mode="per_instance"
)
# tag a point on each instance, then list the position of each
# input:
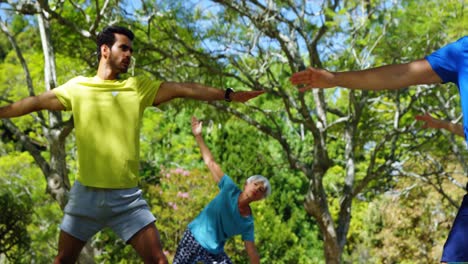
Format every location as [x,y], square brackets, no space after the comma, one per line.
[113,249]
[177,200]
[40,216]
[251,45]
[406,225]
[181,193]
[16,215]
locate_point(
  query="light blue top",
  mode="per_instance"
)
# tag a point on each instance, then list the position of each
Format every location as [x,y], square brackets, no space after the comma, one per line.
[451,64]
[221,219]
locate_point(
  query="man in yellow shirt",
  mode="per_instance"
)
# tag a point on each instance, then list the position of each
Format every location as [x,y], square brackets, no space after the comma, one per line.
[107,112]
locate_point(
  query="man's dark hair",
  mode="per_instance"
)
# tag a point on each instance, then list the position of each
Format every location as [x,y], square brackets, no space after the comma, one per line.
[107,37]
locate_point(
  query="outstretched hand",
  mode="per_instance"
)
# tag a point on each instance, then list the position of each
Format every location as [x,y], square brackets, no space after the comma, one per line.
[244,96]
[312,78]
[196,126]
[215,169]
[429,121]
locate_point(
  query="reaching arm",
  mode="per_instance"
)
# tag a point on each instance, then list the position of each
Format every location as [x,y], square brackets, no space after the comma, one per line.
[395,76]
[431,122]
[214,168]
[45,101]
[252,252]
[170,90]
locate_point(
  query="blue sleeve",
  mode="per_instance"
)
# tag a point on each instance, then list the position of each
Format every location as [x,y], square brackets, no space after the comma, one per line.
[221,182]
[446,60]
[226,182]
[248,235]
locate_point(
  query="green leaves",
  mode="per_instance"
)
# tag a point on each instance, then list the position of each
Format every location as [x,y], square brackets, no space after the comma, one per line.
[253,45]
[16,215]
[29,216]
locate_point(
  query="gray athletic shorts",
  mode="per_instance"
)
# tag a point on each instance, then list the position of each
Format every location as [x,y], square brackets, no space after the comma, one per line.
[91,209]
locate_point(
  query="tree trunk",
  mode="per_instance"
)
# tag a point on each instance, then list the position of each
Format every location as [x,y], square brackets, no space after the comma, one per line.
[58,183]
[316,205]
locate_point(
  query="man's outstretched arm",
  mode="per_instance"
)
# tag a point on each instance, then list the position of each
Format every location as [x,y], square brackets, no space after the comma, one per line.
[394,76]
[170,90]
[45,101]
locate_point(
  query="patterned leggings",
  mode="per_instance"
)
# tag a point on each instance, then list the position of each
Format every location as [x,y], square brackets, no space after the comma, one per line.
[190,251]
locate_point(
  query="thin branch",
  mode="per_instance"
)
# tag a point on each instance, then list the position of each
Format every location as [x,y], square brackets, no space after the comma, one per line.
[19,54]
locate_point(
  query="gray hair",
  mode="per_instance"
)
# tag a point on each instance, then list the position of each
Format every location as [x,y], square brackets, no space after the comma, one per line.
[265,181]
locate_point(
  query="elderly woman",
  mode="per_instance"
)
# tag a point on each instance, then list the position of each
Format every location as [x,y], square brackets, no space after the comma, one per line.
[227,215]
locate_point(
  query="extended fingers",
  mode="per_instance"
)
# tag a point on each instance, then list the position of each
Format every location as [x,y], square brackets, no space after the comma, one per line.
[426,117]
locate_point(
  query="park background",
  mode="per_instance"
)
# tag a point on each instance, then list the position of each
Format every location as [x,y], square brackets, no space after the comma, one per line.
[355,178]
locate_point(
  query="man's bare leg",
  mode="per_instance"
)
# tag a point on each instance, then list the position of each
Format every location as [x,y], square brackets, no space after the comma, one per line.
[69,248]
[148,245]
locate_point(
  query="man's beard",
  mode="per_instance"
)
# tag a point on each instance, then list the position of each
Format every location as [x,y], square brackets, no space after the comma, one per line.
[118,66]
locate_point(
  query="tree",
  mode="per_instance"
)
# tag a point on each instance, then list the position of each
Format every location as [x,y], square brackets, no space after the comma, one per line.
[16,215]
[79,22]
[52,126]
[333,145]
[367,135]
[26,205]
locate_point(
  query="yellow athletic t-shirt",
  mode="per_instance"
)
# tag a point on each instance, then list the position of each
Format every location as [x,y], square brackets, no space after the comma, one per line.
[107,115]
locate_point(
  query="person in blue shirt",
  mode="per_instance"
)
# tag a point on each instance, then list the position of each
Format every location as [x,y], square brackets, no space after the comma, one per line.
[227,215]
[447,64]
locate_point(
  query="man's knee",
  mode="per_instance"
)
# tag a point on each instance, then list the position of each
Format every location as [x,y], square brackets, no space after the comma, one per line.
[63,259]
[156,258]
